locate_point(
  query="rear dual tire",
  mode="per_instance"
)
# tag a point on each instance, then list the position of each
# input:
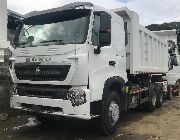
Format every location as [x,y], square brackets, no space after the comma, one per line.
[155,98]
[160,95]
[169,93]
[150,106]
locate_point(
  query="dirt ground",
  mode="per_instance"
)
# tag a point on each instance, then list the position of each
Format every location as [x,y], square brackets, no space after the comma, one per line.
[163,124]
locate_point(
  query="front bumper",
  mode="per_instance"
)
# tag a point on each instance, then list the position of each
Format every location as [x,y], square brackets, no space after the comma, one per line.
[58,107]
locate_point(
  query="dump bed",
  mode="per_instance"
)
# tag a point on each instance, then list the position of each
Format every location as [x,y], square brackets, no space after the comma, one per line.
[146,52]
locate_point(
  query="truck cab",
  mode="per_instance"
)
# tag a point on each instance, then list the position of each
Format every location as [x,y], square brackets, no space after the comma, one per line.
[62,58]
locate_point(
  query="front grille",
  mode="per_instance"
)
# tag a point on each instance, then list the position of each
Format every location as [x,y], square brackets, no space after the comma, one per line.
[43,91]
[36,72]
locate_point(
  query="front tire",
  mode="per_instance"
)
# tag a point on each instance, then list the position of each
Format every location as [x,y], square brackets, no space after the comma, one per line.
[44,121]
[108,122]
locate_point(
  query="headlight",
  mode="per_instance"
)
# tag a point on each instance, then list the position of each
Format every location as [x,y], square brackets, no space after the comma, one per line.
[77,97]
[10,65]
[11,60]
[13,89]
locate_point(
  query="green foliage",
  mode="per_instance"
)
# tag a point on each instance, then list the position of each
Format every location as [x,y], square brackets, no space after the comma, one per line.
[164,26]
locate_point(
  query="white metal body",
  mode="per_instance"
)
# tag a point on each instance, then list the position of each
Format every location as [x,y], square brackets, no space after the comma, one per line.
[94,69]
[146,52]
[167,35]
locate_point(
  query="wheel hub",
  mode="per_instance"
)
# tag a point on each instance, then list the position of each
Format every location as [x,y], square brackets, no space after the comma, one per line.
[154,100]
[161,98]
[113,112]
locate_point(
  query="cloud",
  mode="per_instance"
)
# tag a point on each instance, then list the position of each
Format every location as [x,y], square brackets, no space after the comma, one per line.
[156,11]
[123,0]
[150,11]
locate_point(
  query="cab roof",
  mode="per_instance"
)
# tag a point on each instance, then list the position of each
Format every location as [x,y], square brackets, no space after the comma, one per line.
[65,7]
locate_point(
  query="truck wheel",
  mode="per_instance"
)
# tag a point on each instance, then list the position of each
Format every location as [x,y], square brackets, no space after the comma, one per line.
[159,100]
[178,93]
[169,93]
[177,88]
[178,84]
[108,122]
[150,106]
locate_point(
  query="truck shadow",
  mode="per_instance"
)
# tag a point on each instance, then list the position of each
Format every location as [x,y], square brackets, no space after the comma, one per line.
[75,129]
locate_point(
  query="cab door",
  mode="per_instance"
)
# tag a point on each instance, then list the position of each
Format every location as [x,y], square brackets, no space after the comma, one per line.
[102,60]
[119,47]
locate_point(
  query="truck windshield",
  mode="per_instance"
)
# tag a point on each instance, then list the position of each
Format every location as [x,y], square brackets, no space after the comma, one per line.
[64,27]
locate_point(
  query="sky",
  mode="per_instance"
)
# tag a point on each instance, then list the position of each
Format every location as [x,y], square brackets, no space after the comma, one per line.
[150,11]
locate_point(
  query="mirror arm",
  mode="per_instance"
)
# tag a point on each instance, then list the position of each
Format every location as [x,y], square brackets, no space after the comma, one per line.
[97,50]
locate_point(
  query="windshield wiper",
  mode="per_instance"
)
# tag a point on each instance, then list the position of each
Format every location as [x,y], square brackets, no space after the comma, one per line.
[25,44]
[60,42]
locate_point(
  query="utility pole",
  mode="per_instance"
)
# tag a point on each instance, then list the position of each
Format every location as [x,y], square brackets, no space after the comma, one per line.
[3,38]
[3,29]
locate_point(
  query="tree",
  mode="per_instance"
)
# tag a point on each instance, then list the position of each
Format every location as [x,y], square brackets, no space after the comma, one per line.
[164,26]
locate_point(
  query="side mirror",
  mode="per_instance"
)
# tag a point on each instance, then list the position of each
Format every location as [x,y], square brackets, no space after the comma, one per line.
[16,38]
[105,30]
[104,40]
[30,40]
[105,22]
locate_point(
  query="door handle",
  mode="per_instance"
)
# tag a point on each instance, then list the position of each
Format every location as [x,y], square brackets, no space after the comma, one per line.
[112,63]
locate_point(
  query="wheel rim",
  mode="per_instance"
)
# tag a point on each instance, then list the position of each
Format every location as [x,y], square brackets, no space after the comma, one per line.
[161,98]
[171,91]
[113,113]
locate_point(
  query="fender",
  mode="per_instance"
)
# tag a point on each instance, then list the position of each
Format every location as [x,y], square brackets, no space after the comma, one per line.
[116,83]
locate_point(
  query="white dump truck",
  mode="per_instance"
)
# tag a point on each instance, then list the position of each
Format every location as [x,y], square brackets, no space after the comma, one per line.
[84,61]
[173,75]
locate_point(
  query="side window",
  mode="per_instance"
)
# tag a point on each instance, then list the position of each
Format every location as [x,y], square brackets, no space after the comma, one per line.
[96,27]
[105,29]
[102,29]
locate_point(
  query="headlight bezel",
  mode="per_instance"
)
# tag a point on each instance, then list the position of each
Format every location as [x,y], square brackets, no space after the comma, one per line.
[13,89]
[77,97]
